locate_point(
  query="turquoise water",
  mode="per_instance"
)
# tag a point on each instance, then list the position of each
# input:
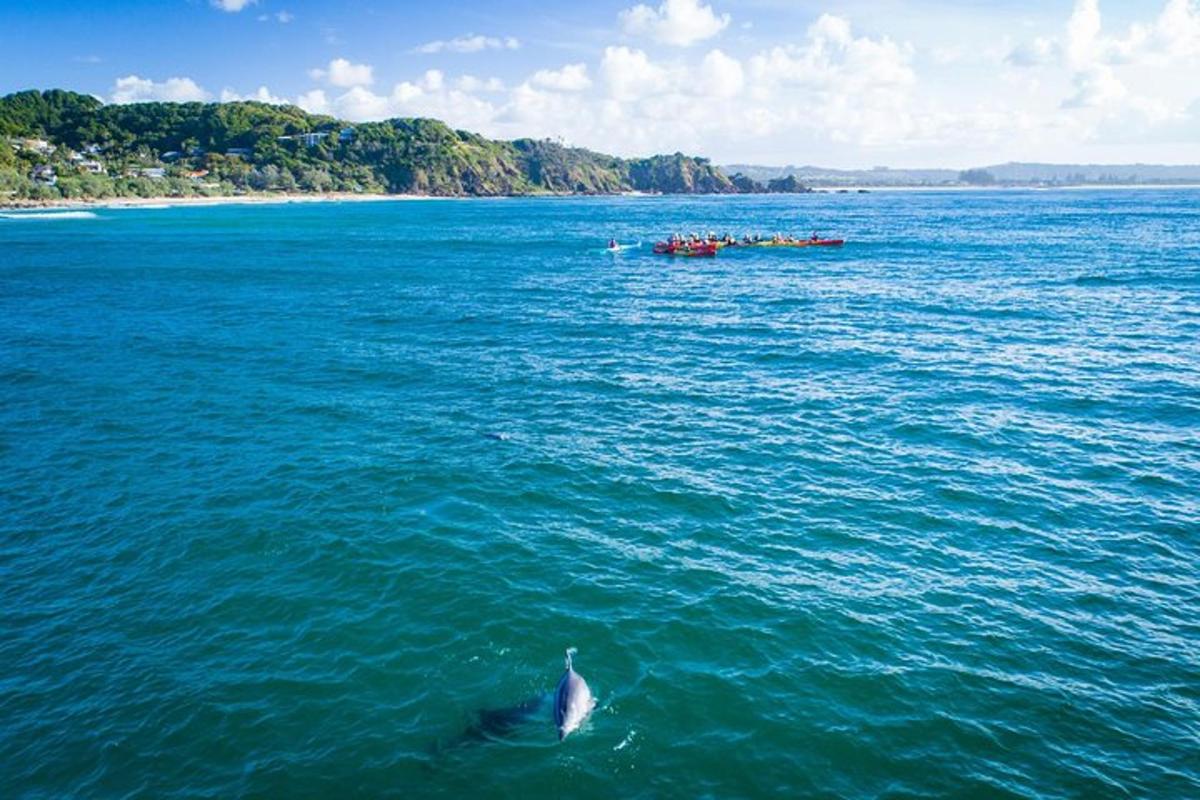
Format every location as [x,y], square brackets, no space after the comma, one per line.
[289,493]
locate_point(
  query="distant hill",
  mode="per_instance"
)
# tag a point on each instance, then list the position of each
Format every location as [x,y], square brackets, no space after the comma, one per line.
[60,144]
[1094,173]
[822,176]
[1011,174]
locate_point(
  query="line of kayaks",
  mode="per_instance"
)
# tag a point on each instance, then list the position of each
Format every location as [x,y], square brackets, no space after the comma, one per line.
[693,249]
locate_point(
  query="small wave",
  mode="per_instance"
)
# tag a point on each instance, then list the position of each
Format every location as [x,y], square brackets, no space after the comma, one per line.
[48,215]
[1096,280]
[139,206]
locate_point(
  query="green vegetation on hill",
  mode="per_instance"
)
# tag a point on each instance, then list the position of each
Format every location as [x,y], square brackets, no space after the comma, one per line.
[60,144]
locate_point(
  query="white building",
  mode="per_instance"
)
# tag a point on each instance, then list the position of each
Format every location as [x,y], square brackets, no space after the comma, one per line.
[44,174]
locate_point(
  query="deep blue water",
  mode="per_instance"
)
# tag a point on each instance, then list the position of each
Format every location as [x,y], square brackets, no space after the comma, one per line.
[289,493]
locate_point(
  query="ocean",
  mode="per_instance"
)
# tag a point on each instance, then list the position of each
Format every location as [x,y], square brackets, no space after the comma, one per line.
[290,493]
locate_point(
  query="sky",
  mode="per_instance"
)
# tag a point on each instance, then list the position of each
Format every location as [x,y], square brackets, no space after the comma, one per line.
[837,83]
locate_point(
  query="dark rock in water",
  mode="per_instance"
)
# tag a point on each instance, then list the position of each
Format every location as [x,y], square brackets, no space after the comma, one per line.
[746,185]
[789,185]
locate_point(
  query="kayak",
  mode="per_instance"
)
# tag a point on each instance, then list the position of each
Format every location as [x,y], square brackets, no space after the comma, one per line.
[621,247]
[691,251]
[800,243]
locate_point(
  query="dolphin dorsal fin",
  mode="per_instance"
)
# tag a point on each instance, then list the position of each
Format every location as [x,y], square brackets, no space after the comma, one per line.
[570,652]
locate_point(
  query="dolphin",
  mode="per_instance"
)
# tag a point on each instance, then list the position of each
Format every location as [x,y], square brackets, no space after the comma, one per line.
[573,700]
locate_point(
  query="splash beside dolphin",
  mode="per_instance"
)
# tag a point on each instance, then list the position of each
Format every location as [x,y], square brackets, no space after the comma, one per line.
[573,700]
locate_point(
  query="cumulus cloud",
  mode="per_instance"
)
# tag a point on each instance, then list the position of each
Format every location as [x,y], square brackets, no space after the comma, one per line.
[720,76]
[314,102]
[135,89]
[833,58]
[469,83]
[1095,87]
[471,43]
[1099,64]
[261,95]
[630,74]
[675,22]
[570,78]
[829,91]
[344,74]
[232,6]
[429,96]
[1041,51]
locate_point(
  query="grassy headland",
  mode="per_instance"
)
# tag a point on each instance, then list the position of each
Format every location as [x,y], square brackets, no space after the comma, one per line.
[60,145]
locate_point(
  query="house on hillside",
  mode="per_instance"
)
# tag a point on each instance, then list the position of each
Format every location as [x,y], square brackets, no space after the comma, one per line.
[91,166]
[346,134]
[238,152]
[37,146]
[306,139]
[44,174]
[157,173]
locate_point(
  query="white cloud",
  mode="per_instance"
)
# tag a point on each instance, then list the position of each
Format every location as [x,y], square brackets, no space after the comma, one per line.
[1100,65]
[429,96]
[314,102]
[834,60]
[1041,51]
[1083,34]
[135,89]
[344,74]
[282,17]
[261,95]
[471,43]
[232,6]
[571,78]
[361,103]
[469,83]
[1095,87]
[675,22]
[630,74]
[828,93]
[720,76]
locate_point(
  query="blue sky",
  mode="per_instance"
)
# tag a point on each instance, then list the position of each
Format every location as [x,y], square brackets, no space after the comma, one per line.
[840,82]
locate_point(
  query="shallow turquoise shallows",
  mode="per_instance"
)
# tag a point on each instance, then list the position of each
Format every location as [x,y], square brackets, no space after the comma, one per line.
[289,493]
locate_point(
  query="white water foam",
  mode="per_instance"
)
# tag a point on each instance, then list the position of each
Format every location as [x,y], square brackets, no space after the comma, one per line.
[48,215]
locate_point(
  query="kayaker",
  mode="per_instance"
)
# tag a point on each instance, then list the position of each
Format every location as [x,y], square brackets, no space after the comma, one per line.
[612,244]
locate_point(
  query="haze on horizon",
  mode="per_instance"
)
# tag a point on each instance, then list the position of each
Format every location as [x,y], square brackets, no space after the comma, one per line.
[840,83]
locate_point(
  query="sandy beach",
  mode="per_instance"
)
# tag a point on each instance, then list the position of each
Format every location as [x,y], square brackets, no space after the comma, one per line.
[244,199]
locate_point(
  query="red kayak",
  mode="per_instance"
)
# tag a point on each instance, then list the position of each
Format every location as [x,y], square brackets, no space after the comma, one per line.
[690,250]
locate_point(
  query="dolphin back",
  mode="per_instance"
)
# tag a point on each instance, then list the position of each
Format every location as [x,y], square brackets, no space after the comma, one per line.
[573,700]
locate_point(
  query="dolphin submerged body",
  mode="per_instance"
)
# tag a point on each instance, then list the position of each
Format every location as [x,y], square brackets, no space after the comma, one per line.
[573,700]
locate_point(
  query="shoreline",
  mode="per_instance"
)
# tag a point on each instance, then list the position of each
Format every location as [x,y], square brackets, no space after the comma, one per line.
[350,197]
[264,198]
